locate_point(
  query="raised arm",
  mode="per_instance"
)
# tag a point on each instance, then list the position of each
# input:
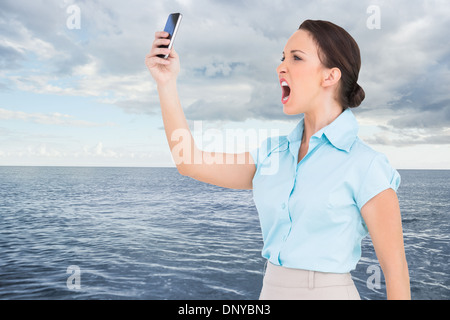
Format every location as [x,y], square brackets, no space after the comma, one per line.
[234,171]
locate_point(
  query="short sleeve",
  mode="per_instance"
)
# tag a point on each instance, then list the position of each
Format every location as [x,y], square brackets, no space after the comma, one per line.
[379,177]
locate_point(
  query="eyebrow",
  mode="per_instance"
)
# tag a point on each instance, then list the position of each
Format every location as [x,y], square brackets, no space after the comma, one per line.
[293,51]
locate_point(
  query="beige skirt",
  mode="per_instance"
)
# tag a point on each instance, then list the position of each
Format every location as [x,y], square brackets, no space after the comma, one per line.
[282,283]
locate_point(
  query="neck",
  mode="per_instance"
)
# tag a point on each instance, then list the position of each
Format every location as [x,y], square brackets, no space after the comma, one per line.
[319,117]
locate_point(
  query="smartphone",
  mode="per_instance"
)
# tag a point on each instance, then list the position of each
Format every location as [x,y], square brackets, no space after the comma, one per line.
[172,24]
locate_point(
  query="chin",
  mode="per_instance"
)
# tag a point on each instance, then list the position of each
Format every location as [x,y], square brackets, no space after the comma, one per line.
[291,111]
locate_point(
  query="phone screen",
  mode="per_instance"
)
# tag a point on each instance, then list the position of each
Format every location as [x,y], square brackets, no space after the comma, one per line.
[171,23]
[171,27]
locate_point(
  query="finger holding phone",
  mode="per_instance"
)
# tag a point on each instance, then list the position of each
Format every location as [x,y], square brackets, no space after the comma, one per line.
[162,61]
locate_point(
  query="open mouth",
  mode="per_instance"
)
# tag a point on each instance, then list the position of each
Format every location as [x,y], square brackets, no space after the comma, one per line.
[286,91]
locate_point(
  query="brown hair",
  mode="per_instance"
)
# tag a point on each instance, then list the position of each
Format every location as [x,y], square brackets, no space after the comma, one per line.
[337,49]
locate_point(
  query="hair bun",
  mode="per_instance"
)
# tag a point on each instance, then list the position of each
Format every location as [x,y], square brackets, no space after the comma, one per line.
[356,96]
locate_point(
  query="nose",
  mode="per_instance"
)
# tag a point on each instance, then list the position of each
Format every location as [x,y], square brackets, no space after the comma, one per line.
[281,68]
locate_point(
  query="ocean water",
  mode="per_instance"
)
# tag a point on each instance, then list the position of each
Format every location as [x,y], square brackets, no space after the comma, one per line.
[150,233]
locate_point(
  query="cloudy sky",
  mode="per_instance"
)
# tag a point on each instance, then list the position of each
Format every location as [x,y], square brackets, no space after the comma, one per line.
[80,94]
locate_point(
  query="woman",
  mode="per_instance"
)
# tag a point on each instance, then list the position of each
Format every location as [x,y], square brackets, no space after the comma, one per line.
[320,189]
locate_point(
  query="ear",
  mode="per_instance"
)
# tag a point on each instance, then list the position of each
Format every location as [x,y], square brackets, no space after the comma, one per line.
[331,77]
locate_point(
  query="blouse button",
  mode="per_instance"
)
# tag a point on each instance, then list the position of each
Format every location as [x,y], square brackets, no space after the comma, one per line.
[283,206]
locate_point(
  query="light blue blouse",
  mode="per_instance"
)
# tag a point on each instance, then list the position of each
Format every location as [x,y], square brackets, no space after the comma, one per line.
[310,212]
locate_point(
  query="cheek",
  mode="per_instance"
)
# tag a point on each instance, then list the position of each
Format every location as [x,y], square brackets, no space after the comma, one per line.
[307,81]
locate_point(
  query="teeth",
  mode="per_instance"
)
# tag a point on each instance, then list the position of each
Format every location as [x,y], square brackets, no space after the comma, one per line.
[284,84]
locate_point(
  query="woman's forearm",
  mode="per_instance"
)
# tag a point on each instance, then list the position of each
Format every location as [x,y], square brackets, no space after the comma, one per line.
[165,72]
[179,137]
[397,283]
[383,219]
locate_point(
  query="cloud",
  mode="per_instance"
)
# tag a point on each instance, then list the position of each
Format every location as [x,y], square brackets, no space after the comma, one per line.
[224,110]
[9,57]
[405,66]
[430,116]
[48,119]
[88,155]
[229,51]
[409,137]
